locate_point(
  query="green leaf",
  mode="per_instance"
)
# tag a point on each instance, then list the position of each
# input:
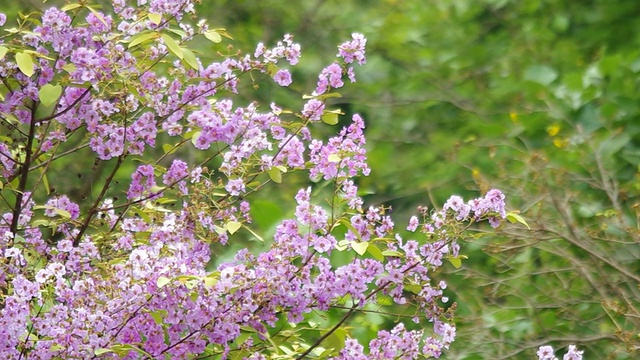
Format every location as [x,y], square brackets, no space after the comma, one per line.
[342,245]
[49,94]
[541,74]
[61,212]
[384,300]
[124,349]
[3,52]
[159,315]
[336,339]
[233,226]
[392,253]
[513,217]
[69,68]
[102,351]
[350,226]
[272,69]
[178,32]
[70,7]
[45,180]
[169,149]
[456,261]
[213,36]
[155,18]
[211,279]
[25,63]
[194,137]
[223,32]
[190,58]
[375,252]
[162,281]
[330,118]
[173,46]
[360,247]
[323,96]
[275,175]
[141,37]
[334,158]
[98,15]
[414,288]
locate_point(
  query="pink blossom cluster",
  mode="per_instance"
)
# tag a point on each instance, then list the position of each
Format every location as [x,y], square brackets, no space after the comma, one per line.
[546,353]
[343,156]
[491,207]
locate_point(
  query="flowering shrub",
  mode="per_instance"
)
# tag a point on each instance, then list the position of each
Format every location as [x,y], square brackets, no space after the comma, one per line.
[122,272]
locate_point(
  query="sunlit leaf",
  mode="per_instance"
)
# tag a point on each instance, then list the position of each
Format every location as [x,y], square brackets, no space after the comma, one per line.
[213,36]
[102,351]
[374,251]
[141,38]
[455,261]
[97,15]
[190,58]
[70,7]
[49,94]
[275,175]
[334,158]
[322,96]
[162,281]
[360,247]
[513,217]
[330,118]
[392,253]
[233,226]
[172,45]
[155,18]
[159,315]
[25,63]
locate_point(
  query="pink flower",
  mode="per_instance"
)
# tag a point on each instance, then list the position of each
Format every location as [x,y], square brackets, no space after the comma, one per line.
[283,77]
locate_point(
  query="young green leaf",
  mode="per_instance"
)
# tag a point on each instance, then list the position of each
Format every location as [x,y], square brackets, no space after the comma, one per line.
[334,158]
[173,46]
[162,281]
[155,18]
[392,253]
[455,261]
[330,118]
[513,217]
[70,7]
[159,315]
[141,38]
[98,15]
[102,351]
[190,58]
[275,175]
[360,247]
[213,36]
[375,252]
[25,63]
[49,94]
[233,226]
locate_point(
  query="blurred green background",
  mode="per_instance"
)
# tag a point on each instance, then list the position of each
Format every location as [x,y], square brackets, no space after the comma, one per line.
[538,98]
